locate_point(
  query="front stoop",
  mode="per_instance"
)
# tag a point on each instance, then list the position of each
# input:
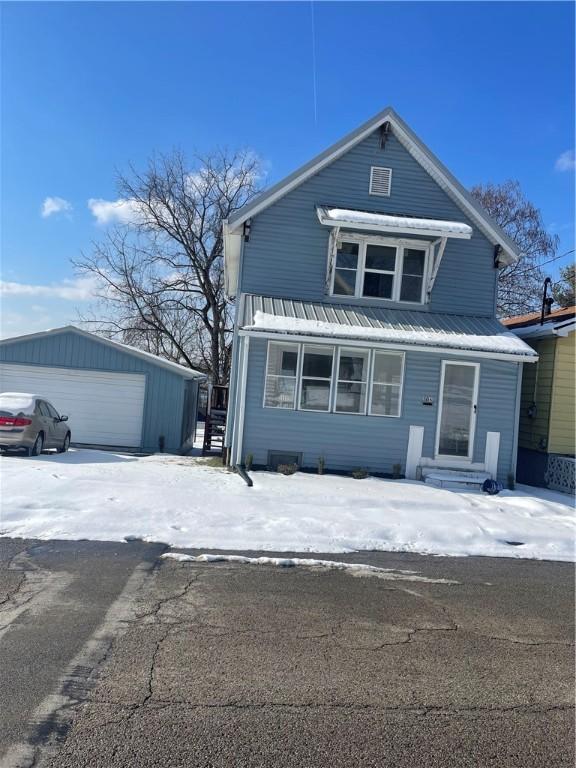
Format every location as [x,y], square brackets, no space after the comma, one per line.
[454,478]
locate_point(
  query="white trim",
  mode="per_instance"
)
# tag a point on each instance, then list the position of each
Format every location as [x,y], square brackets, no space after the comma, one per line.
[281,376]
[335,340]
[242,405]
[390,226]
[366,381]
[491,453]
[332,252]
[560,329]
[316,378]
[363,241]
[383,384]
[435,266]
[414,451]
[473,412]
[516,435]
[336,351]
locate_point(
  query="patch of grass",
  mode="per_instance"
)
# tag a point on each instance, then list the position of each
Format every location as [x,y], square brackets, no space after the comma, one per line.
[211,461]
[287,469]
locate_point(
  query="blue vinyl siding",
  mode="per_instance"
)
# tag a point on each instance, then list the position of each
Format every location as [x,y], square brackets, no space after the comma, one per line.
[164,397]
[288,247]
[348,441]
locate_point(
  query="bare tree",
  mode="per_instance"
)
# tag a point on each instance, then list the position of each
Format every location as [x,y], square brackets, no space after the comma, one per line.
[159,274]
[520,284]
[564,290]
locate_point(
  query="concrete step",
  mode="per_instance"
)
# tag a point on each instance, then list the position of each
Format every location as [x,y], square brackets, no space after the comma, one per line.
[454,478]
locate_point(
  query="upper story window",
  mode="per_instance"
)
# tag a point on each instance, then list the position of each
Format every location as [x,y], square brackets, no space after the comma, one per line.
[380,269]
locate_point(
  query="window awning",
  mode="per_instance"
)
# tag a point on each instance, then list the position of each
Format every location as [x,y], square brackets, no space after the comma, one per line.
[383,222]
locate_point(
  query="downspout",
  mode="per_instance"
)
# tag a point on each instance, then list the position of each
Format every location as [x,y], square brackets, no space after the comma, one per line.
[238,442]
[229,436]
[517,420]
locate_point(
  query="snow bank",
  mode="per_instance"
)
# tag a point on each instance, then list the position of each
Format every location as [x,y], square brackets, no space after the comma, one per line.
[504,343]
[106,496]
[359,569]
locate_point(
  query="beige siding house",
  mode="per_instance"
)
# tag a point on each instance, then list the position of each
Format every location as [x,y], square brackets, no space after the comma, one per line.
[547,433]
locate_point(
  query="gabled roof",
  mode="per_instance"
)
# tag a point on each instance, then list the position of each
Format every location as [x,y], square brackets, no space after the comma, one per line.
[182,370]
[403,329]
[417,149]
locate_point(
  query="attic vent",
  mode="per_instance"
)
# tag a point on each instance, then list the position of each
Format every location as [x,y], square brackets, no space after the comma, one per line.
[380,181]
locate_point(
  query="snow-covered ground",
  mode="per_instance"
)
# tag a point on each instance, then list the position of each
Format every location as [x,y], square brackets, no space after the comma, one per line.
[177,500]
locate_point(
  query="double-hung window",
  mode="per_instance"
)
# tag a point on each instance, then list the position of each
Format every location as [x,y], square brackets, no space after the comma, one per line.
[380,269]
[346,271]
[352,380]
[281,375]
[387,370]
[319,377]
[316,386]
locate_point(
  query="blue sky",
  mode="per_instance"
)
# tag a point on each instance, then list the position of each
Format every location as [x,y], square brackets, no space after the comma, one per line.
[91,87]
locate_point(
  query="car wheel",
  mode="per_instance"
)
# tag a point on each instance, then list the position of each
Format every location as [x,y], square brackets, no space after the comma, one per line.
[38,445]
[65,444]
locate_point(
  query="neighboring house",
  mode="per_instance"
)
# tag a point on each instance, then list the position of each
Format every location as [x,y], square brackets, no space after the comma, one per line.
[114,395]
[366,332]
[547,414]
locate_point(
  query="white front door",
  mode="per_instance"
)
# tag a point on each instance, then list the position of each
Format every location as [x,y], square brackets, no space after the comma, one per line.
[457,410]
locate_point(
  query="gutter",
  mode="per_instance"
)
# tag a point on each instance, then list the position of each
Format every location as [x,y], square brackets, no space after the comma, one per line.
[349,341]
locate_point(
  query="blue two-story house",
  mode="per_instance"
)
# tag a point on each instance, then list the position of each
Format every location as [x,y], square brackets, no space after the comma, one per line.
[366,331]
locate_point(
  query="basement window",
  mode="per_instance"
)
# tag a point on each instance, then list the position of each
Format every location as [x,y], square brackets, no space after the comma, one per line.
[276,458]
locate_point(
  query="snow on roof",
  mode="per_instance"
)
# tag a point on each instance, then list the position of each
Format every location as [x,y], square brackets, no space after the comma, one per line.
[387,223]
[534,318]
[21,402]
[498,343]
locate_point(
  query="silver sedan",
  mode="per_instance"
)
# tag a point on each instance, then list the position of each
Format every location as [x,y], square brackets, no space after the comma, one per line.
[31,423]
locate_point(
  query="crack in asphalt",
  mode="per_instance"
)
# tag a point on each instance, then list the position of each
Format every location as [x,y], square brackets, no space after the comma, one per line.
[169,625]
[160,704]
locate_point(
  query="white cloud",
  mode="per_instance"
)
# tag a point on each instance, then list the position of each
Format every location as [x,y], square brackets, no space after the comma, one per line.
[80,289]
[566,161]
[52,205]
[113,211]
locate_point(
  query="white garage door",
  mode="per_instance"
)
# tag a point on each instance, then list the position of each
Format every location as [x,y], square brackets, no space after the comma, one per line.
[103,408]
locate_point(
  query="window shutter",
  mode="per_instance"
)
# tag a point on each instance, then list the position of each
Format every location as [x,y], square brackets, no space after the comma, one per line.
[380,181]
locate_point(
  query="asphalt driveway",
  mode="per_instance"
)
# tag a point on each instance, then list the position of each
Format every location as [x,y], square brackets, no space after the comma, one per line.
[442,662]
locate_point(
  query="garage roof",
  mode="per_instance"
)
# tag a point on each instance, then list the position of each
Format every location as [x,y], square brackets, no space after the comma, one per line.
[182,370]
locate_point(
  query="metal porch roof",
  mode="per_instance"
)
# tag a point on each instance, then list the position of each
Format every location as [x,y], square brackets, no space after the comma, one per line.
[379,324]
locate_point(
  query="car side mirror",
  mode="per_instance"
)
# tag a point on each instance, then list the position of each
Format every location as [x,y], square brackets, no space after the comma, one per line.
[63,418]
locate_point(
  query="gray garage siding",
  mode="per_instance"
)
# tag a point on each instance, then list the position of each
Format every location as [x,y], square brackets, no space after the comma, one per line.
[348,441]
[288,247]
[164,398]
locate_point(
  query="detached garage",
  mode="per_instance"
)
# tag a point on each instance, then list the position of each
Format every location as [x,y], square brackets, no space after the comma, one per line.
[114,395]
